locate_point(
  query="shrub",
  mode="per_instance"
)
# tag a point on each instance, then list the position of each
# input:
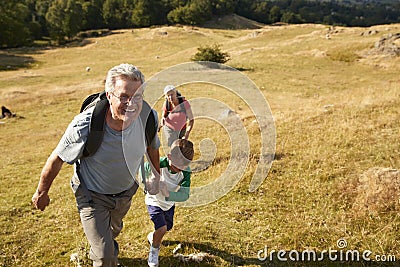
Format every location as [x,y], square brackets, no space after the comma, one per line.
[211,53]
[348,53]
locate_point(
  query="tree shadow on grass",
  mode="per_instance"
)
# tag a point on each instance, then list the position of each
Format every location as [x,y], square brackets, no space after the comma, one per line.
[218,257]
[17,58]
[12,61]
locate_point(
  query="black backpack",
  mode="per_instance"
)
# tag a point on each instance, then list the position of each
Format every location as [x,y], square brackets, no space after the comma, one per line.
[96,131]
[97,122]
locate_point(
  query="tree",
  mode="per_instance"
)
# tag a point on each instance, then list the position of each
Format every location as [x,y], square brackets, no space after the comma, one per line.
[73,15]
[41,8]
[194,13]
[141,16]
[275,14]
[244,8]
[64,19]
[211,53]
[112,10]
[311,14]
[290,17]
[13,24]
[295,5]
[177,15]
[93,16]
[158,10]
[261,12]
[222,7]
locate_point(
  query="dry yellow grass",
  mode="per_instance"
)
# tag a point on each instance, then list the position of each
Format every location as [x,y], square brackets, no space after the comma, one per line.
[336,113]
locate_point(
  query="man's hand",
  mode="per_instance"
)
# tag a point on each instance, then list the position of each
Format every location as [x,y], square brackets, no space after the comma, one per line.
[152,185]
[40,200]
[164,189]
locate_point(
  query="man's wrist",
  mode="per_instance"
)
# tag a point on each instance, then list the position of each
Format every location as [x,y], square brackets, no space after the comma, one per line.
[42,191]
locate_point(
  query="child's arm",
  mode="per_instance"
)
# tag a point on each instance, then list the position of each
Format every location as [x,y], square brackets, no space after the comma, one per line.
[147,171]
[183,193]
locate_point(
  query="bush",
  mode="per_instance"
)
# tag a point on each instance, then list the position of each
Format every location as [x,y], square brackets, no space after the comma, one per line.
[345,56]
[211,53]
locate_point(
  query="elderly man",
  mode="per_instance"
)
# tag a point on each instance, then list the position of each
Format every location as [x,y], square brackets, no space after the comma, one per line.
[104,182]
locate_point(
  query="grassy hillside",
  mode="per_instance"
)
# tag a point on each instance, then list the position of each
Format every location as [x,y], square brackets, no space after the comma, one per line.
[336,105]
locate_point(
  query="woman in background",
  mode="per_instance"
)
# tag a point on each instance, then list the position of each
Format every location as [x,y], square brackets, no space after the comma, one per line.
[177,116]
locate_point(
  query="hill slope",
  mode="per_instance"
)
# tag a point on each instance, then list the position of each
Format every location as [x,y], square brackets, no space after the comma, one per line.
[335,105]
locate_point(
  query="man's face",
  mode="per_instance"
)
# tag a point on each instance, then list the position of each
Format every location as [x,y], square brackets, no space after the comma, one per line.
[126,100]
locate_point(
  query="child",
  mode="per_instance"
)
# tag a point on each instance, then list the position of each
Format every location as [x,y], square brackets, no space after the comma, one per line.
[174,187]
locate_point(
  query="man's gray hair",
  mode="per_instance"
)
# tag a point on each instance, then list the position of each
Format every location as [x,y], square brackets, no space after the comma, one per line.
[125,70]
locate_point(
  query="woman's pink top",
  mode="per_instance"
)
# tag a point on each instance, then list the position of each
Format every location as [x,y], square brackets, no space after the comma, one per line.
[177,118]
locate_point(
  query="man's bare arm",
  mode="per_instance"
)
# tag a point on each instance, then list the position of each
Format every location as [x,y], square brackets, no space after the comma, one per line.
[49,172]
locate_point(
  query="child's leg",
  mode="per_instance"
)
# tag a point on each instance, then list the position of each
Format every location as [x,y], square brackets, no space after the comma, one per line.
[160,232]
[158,236]
[160,225]
[163,222]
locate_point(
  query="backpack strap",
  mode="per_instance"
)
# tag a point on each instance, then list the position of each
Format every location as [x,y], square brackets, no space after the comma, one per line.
[90,101]
[148,119]
[150,126]
[167,108]
[143,174]
[97,125]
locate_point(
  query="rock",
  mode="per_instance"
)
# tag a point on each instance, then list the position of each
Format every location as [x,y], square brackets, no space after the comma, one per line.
[388,45]
[378,190]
